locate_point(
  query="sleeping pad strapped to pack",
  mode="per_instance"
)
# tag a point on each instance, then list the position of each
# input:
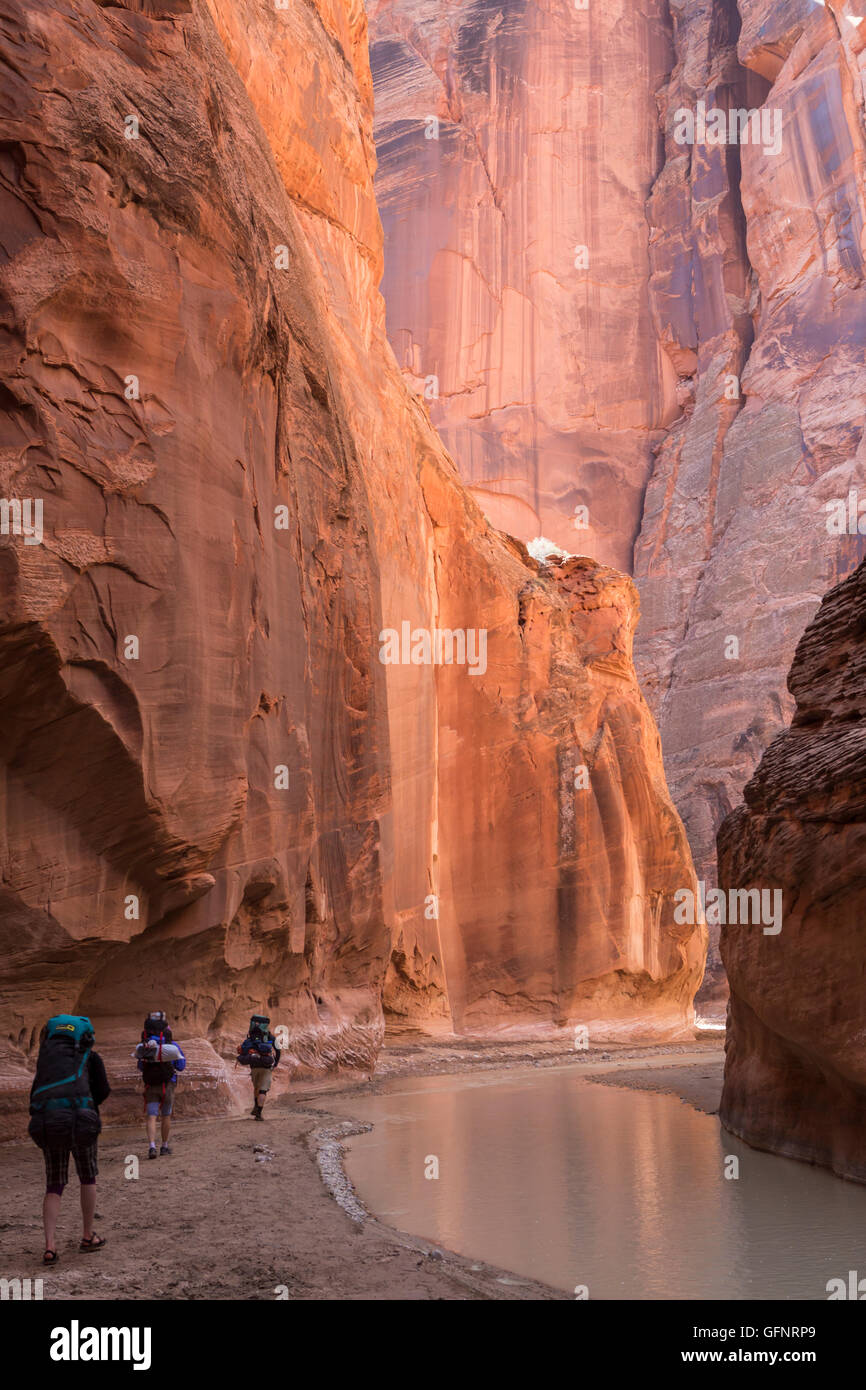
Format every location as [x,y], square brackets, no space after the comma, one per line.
[157,1057]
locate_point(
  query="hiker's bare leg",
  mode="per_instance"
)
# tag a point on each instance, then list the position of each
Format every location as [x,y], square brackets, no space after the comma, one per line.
[50,1213]
[88,1208]
[166,1126]
[151,1130]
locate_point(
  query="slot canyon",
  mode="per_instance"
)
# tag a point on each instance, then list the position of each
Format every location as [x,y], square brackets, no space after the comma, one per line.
[321,323]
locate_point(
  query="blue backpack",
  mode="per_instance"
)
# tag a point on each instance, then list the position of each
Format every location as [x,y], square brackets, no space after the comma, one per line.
[257,1048]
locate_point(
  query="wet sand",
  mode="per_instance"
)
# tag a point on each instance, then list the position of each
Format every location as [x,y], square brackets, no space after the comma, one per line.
[699,1084]
[216,1220]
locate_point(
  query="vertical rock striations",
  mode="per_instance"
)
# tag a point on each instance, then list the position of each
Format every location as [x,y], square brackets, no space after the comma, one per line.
[795,1073]
[517,145]
[758,293]
[699,385]
[216,795]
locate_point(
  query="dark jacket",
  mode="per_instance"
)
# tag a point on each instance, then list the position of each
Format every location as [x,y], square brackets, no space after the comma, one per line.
[99,1087]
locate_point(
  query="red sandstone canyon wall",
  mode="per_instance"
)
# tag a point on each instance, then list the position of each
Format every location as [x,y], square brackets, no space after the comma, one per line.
[738,538]
[216,797]
[699,384]
[517,146]
[795,1073]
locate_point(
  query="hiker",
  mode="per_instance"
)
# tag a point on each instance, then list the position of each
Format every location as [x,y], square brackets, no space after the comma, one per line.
[159,1061]
[69,1086]
[260,1053]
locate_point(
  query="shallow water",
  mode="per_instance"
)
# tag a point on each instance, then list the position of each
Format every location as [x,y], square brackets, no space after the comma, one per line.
[618,1190]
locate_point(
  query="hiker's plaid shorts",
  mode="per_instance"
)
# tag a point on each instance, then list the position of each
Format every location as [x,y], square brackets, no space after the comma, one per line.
[57,1165]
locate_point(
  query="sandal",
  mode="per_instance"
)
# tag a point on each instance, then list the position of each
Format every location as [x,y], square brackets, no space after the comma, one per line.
[91,1243]
[50,1257]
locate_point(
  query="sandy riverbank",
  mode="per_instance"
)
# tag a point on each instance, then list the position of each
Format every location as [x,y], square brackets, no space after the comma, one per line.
[698,1083]
[217,1220]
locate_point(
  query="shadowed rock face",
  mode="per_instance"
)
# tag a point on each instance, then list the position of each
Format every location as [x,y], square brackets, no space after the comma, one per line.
[700,386]
[735,540]
[795,1072]
[217,798]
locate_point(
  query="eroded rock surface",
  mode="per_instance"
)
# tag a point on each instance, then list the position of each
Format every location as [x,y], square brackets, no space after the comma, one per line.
[758,294]
[699,386]
[795,1072]
[517,146]
[217,799]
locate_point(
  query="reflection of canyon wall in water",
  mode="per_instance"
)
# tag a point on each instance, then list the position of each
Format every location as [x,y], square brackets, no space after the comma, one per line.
[244,809]
[629,1193]
[727,293]
[795,1074]
[617,1178]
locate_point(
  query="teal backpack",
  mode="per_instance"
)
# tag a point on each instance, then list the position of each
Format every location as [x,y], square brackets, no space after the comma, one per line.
[73,1026]
[62,1112]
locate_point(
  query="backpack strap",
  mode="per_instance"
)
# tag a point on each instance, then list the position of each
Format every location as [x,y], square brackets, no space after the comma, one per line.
[65,1082]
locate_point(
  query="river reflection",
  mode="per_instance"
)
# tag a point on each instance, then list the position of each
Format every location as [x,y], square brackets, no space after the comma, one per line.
[622,1191]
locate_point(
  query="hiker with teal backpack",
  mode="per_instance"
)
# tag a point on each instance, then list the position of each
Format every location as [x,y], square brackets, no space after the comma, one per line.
[69,1086]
